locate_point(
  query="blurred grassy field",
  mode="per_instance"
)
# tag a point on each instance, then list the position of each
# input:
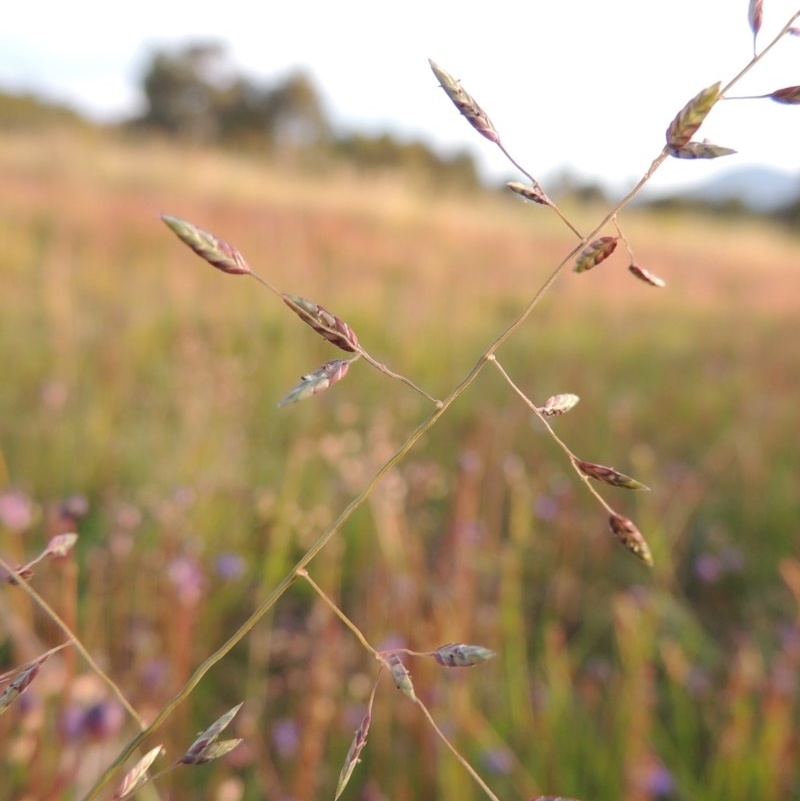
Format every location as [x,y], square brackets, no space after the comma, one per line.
[138,397]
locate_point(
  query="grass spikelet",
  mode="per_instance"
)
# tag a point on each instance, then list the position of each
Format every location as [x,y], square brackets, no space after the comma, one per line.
[691,117]
[646,276]
[19,684]
[754,17]
[327,325]
[558,404]
[137,775]
[595,252]
[700,150]
[203,748]
[630,536]
[318,381]
[211,751]
[356,747]
[60,545]
[466,104]
[217,253]
[461,655]
[608,475]
[401,676]
[789,95]
[534,193]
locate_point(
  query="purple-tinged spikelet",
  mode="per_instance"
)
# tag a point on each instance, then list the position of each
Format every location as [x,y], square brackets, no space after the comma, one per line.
[205,747]
[401,676]
[327,325]
[646,276]
[691,116]
[700,150]
[457,654]
[755,14]
[595,252]
[465,103]
[353,754]
[318,381]
[534,193]
[19,684]
[789,95]
[630,536]
[217,253]
[608,475]
[558,404]
[137,775]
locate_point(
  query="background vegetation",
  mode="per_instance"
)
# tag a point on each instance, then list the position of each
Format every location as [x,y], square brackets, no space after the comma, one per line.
[137,407]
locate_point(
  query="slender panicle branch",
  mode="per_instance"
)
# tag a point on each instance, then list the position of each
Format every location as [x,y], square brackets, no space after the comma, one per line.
[338,612]
[472,772]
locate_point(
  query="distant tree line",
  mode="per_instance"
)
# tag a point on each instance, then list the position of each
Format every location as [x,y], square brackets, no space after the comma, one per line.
[195,93]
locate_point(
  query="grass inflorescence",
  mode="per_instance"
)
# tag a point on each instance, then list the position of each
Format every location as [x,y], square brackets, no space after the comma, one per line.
[171,579]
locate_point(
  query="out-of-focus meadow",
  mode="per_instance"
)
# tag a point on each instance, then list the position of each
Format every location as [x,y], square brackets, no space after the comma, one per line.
[138,406]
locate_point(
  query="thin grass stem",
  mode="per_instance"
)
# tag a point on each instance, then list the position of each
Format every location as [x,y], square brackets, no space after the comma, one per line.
[338,612]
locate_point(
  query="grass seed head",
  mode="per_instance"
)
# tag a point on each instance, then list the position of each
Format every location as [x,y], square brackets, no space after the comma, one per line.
[318,381]
[754,15]
[630,536]
[646,276]
[327,325]
[534,193]
[401,676]
[691,116]
[595,252]
[219,254]
[137,775]
[19,684]
[466,104]
[456,654]
[789,95]
[60,545]
[202,749]
[558,404]
[608,475]
[353,754]
[700,150]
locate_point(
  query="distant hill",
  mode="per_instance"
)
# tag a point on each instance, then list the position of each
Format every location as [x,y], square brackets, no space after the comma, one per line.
[23,111]
[762,190]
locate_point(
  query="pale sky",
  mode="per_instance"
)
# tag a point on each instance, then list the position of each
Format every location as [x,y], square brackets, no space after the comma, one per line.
[581,84]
